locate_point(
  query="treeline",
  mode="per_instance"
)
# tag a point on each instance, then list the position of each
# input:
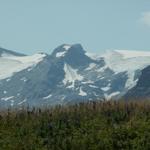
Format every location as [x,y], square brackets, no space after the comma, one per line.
[112,125]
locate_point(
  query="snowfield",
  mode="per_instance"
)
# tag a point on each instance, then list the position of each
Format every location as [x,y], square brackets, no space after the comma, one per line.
[127,61]
[10,64]
[132,53]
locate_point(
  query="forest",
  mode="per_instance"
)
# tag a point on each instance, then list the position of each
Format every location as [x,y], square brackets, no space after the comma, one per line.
[100,125]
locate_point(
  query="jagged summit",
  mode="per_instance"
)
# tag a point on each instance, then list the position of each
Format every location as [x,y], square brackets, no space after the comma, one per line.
[64,49]
[74,54]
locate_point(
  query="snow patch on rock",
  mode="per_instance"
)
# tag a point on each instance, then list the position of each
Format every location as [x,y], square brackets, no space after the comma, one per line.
[105,88]
[22,102]
[47,97]
[62,54]
[82,93]
[93,86]
[7,98]
[110,96]
[66,47]
[71,75]
[91,66]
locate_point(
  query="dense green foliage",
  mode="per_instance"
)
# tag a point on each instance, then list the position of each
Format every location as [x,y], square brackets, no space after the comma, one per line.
[91,126]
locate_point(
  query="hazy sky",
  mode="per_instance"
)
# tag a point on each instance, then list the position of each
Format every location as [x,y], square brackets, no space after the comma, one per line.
[41,25]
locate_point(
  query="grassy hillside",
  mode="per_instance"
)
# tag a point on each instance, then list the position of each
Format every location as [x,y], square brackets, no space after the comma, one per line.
[91,126]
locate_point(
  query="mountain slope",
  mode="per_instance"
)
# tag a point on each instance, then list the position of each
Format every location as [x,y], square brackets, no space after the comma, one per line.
[142,88]
[5,52]
[10,64]
[68,75]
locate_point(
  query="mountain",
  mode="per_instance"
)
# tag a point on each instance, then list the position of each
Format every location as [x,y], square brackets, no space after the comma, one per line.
[142,88]
[68,75]
[5,52]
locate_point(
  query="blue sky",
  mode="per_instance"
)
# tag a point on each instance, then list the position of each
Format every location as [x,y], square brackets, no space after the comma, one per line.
[30,26]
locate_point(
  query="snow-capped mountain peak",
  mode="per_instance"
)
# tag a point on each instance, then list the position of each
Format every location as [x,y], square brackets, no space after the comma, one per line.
[61,50]
[64,49]
[68,75]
